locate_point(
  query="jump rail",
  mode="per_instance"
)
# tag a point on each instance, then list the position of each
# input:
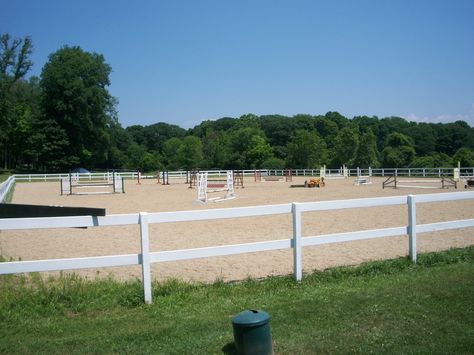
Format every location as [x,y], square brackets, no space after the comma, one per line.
[296,242]
[424,183]
[113,183]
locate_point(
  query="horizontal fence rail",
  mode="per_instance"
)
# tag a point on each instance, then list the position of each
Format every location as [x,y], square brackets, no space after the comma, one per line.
[183,175]
[82,176]
[296,241]
[5,188]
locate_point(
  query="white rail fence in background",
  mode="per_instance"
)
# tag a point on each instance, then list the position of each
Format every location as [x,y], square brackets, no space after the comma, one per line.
[82,176]
[296,242]
[181,174]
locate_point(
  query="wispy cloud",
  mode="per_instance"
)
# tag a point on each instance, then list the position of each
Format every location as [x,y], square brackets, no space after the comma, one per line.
[444,118]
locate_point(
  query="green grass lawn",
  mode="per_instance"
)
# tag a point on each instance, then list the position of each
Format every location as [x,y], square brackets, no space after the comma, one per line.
[3,176]
[379,307]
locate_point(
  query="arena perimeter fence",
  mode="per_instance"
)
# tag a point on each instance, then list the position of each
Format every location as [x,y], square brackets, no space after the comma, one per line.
[146,257]
[6,187]
[182,174]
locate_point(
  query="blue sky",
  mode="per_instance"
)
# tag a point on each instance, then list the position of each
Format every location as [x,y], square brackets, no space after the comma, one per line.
[183,62]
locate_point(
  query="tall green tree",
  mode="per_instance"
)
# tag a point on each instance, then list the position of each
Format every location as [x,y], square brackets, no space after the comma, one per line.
[215,149]
[22,114]
[399,151]
[423,136]
[249,120]
[366,153]
[434,160]
[453,136]
[14,65]
[346,144]
[327,129]
[120,141]
[306,150]
[239,139]
[171,149]
[337,118]
[190,153]
[52,144]
[258,151]
[141,159]
[278,130]
[154,136]
[465,156]
[303,121]
[75,95]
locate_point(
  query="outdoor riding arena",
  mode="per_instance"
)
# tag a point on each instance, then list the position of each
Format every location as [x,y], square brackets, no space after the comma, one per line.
[150,196]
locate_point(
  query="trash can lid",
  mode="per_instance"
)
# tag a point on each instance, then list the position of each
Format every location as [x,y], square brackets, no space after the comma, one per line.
[251,318]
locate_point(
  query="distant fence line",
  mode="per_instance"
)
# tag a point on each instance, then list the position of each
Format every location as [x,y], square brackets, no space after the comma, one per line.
[181,174]
[146,257]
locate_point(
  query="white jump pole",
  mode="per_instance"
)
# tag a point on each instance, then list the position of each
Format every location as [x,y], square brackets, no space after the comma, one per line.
[202,187]
[457,172]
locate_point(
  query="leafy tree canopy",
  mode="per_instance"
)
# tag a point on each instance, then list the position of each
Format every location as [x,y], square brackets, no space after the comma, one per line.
[68,118]
[74,85]
[306,150]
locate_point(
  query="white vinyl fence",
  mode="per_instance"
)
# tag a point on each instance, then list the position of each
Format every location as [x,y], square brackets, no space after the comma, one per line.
[296,242]
[182,174]
[5,188]
[82,176]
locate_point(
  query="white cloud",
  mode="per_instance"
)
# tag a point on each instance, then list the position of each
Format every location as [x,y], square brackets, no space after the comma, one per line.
[444,118]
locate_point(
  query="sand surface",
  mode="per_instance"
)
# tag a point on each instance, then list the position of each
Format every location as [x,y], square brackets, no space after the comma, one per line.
[151,197]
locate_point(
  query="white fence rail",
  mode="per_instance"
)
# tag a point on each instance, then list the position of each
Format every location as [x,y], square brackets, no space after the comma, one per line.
[296,242]
[82,176]
[182,174]
[5,188]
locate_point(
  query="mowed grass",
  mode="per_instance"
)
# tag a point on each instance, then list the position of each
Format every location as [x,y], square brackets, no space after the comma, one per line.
[378,307]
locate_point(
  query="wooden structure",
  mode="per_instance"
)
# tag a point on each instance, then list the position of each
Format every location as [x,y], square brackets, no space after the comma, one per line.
[238,178]
[258,175]
[419,183]
[469,183]
[191,178]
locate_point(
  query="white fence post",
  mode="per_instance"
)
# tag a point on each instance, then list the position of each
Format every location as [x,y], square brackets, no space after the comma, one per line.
[145,244]
[412,227]
[297,266]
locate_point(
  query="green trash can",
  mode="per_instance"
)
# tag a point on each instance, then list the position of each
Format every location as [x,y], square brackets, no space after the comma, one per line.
[252,333]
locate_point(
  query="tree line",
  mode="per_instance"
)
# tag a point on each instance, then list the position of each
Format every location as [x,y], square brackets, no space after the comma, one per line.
[66,118]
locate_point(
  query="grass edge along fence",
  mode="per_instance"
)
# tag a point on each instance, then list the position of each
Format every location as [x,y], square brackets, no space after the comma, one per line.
[389,306]
[297,242]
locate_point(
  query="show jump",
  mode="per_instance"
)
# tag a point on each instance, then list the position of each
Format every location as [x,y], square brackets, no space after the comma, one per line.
[74,184]
[420,183]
